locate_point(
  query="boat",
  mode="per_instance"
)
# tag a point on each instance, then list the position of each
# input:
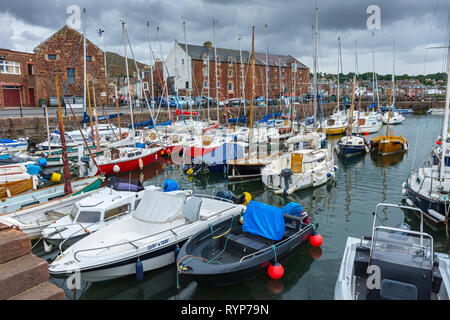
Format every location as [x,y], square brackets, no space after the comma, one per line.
[367,124]
[12,145]
[428,188]
[145,240]
[123,159]
[393,116]
[393,263]
[435,111]
[336,124]
[230,252]
[16,179]
[389,144]
[352,145]
[88,215]
[33,211]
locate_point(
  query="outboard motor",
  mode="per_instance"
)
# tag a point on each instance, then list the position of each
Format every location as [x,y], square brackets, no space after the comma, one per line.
[286,173]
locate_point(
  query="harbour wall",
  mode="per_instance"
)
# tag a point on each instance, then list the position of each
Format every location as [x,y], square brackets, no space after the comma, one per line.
[35,127]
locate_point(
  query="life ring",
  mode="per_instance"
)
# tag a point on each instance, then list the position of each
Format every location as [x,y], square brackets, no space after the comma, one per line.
[207,140]
[124,135]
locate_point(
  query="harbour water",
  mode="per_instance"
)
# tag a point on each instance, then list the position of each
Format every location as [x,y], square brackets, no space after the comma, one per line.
[342,208]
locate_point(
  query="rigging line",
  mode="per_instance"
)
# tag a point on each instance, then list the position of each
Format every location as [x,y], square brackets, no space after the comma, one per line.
[429,35]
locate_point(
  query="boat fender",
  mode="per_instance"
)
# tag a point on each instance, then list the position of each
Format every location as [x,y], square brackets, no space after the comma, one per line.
[275,270]
[170,185]
[335,168]
[47,247]
[42,162]
[286,173]
[116,168]
[139,271]
[315,239]
[176,252]
[56,177]
[329,174]
[141,164]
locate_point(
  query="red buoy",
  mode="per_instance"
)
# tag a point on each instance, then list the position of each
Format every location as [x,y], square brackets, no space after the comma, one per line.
[366,133]
[316,239]
[275,271]
[438,142]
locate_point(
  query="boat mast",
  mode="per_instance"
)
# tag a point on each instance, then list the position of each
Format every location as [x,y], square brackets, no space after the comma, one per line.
[446,115]
[252,65]
[338,75]
[215,65]
[128,76]
[242,74]
[373,69]
[392,99]
[315,28]
[84,64]
[188,87]
[267,71]
[150,62]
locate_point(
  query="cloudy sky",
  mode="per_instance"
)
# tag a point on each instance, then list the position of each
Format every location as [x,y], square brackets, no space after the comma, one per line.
[414,25]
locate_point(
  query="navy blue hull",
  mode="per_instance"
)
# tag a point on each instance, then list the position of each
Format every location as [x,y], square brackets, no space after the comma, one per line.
[425,204]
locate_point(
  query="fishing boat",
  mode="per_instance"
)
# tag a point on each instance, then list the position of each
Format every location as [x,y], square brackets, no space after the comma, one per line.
[229,252]
[147,239]
[393,263]
[389,144]
[298,170]
[94,212]
[33,211]
[428,188]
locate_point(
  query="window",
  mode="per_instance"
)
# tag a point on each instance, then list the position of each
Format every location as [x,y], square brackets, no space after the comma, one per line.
[205,84]
[89,216]
[30,69]
[71,75]
[275,86]
[230,60]
[73,212]
[9,67]
[230,73]
[218,84]
[145,85]
[230,86]
[275,76]
[113,213]
[51,56]
[88,58]
[187,84]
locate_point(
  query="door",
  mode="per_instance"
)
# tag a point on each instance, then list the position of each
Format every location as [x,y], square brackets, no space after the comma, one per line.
[11,96]
[32,98]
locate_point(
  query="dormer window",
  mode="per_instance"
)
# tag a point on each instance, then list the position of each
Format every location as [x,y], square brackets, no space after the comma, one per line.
[88,58]
[51,56]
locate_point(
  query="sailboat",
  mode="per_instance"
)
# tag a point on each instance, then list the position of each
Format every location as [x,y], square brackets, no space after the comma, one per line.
[389,144]
[428,188]
[303,168]
[352,145]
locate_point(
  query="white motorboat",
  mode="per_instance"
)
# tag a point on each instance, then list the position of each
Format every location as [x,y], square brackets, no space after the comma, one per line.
[37,209]
[394,263]
[147,239]
[349,146]
[94,212]
[299,169]
[12,145]
[395,118]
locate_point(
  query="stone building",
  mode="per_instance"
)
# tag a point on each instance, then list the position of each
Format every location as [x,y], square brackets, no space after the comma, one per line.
[25,78]
[189,71]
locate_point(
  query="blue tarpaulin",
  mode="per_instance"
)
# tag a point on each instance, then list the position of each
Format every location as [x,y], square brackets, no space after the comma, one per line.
[142,124]
[264,220]
[372,105]
[293,209]
[269,116]
[86,118]
[242,119]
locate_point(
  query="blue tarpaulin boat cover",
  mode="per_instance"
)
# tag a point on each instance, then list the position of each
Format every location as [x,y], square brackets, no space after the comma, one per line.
[264,220]
[372,105]
[142,124]
[242,119]
[293,209]
[269,116]
[87,119]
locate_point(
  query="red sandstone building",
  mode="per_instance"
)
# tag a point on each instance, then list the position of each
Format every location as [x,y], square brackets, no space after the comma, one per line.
[25,78]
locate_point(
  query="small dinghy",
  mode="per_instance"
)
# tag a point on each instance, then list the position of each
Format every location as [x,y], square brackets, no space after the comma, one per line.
[394,263]
[229,252]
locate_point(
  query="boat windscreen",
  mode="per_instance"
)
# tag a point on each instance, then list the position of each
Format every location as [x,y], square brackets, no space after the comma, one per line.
[402,248]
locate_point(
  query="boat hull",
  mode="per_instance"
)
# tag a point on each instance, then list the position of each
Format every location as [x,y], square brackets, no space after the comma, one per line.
[127,166]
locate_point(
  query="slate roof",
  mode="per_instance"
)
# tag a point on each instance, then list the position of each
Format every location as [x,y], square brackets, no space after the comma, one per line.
[197,52]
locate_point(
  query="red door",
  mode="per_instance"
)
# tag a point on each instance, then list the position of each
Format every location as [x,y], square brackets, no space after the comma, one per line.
[32,98]
[11,96]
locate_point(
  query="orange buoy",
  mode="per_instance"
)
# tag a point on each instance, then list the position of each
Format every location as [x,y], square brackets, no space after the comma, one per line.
[316,239]
[275,271]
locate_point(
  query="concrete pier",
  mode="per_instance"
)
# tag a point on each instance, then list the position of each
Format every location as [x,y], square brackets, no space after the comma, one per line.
[23,276]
